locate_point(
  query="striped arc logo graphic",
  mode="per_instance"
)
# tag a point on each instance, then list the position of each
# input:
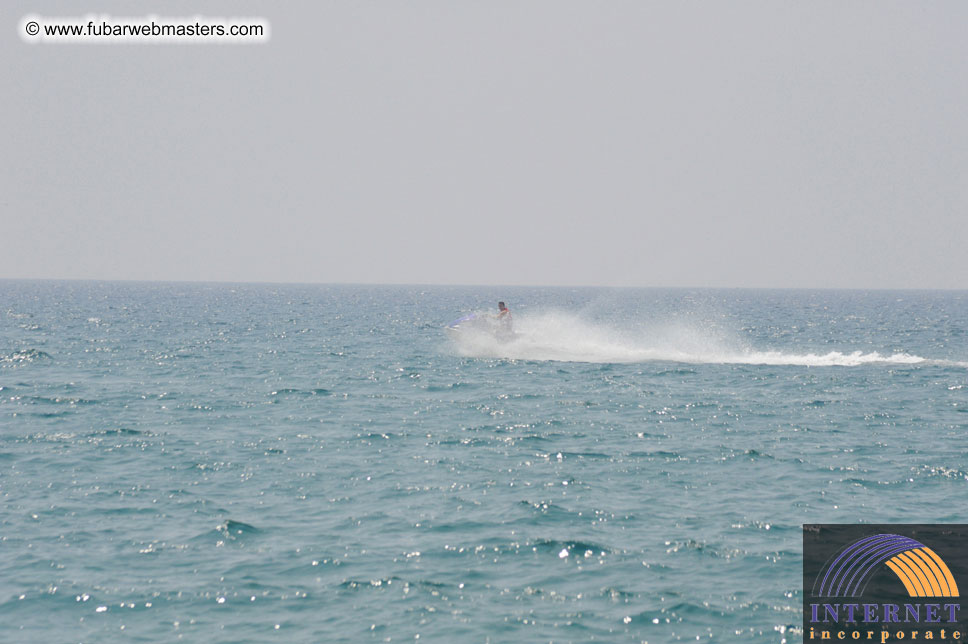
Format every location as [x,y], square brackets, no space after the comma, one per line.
[919,568]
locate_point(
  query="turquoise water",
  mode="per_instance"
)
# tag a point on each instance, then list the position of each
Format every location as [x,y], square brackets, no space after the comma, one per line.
[254,463]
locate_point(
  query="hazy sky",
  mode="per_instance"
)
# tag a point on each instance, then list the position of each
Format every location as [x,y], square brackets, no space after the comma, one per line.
[800,144]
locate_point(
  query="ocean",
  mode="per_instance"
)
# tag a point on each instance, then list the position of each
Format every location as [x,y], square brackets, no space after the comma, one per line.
[301,463]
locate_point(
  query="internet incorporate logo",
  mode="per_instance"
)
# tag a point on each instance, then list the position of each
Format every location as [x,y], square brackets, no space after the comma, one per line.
[909,591]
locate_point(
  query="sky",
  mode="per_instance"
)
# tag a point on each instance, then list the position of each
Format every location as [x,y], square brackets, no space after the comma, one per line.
[544,142]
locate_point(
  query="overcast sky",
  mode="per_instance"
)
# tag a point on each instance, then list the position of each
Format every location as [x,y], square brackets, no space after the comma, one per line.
[748,144]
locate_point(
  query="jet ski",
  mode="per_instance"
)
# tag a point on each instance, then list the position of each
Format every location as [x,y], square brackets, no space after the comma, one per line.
[481,324]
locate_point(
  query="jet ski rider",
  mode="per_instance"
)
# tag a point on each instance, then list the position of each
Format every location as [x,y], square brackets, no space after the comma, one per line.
[504,316]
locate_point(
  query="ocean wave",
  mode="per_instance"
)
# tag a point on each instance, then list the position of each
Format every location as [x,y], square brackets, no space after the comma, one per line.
[24,356]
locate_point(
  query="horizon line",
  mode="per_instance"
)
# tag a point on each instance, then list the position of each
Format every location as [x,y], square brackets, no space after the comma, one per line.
[478,285]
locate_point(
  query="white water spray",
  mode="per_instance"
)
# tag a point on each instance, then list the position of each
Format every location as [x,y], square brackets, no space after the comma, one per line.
[567,337]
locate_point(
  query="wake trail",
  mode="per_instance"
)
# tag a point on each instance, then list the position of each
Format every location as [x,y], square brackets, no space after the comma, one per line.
[566,337]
